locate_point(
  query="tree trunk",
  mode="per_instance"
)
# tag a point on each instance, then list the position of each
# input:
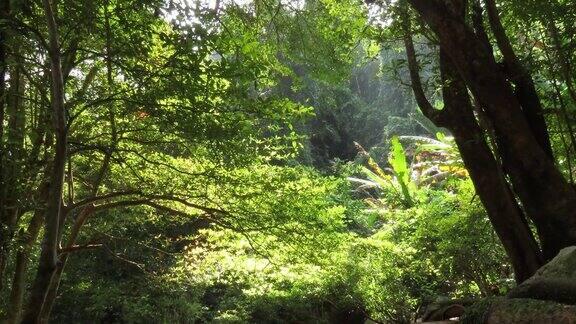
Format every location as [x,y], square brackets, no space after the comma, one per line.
[4,15]
[21,267]
[48,255]
[519,76]
[503,211]
[528,98]
[545,194]
[4,12]
[63,259]
[12,164]
[489,181]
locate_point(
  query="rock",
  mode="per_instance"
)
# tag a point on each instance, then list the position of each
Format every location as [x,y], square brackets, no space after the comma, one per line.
[443,313]
[443,310]
[555,281]
[519,311]
[548,297]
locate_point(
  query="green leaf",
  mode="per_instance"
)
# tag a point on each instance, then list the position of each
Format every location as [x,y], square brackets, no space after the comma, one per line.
[398,162]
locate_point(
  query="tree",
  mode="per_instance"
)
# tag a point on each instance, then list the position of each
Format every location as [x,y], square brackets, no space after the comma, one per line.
[507,107]
[146,112]
[53,216]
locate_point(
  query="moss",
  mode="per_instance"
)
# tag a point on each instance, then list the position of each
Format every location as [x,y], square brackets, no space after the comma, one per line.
[523,306]
[562,266]
[476,314]
[513,310]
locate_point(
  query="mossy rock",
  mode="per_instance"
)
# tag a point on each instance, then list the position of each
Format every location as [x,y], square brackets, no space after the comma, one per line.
[519,311]
[562,266]
[555,281]
[478,312]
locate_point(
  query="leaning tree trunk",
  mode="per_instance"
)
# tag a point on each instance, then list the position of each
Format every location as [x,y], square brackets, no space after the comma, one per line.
[21,267]
[28,239]
[87,211]
[527,95]
[491,186]
[528,98]
[489,181]
[63,259]
[523,84]
[48,255]
[545,194]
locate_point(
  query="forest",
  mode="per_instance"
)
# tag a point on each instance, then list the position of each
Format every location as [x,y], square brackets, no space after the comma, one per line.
[287,161]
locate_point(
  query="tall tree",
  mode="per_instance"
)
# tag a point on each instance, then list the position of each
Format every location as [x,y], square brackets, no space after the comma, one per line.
[508,100]
[489,180]
[49,253]
[120,106]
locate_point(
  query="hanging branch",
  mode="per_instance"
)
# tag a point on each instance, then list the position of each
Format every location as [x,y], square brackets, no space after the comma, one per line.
[425,106]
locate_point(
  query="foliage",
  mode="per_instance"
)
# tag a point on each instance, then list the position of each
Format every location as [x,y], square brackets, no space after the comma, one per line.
[215,167]
[400,167]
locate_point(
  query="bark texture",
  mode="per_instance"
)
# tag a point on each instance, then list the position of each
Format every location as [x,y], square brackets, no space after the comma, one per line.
[546,195]
[48,255]
[489,181]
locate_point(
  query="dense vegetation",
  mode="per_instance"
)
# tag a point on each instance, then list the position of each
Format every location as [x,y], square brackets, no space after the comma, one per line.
[277,161]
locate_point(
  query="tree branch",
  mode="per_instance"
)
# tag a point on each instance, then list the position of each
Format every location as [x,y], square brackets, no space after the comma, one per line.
[76,248]
[425,106]
[94,199]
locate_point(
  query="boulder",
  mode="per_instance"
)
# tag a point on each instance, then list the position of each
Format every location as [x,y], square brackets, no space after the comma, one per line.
[555,281]
[519,311]
[444,310]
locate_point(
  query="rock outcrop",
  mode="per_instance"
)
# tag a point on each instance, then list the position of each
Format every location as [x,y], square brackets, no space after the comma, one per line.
[555,281]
